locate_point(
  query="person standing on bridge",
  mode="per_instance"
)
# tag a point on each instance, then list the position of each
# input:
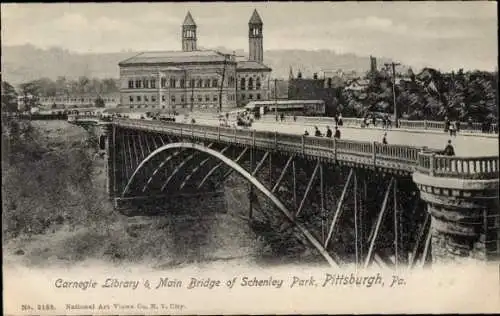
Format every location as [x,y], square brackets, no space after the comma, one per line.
[328,132]
[341,122]
[306,133]
[449,150]
[337,133]
[317,133]
[384,139]
[451,127]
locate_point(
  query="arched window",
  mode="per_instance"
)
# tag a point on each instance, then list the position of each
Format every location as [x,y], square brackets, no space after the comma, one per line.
[215,83]
[257,83]
[182,83]
[250,83]
[242,84]
[200,83]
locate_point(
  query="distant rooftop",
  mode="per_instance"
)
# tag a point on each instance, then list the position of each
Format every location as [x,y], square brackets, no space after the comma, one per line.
[175,57]
[251,65]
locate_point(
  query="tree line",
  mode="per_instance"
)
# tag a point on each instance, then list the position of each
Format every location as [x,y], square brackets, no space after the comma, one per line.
[428,95]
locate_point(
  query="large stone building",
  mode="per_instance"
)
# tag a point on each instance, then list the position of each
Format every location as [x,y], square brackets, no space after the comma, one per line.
[193,78]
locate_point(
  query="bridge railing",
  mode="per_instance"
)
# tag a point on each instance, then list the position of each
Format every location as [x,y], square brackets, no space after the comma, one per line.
[459,167]
[475,127]
[399,157]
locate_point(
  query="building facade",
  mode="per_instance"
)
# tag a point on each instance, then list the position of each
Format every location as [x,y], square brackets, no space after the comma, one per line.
[327,89]
[79,101]
[196,79]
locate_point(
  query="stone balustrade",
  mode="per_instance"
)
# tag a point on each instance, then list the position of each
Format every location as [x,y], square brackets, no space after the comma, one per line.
[458,167]
[407,158]
[403,124]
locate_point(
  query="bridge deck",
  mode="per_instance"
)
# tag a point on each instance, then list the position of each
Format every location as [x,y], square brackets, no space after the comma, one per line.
[368,154]
[465,144]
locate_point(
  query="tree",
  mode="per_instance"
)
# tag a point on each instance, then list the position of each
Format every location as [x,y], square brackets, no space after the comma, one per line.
[9,97]
[99,102]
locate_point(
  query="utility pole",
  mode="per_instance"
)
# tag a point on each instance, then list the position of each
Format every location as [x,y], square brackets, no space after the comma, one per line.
[275,99]
[396,114]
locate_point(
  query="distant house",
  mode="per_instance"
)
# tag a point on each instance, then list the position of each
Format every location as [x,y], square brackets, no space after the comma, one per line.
[325,88]
[357,85]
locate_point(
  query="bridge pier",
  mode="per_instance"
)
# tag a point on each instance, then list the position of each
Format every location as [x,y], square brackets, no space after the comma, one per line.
[464,217]
[108,131]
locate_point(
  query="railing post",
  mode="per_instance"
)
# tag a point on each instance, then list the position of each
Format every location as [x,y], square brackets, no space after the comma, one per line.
[192,131]
[275,140]
[374,154]
[303,145]
[235,135]
[431,165]
[334,149]
[218,133]
[253,138]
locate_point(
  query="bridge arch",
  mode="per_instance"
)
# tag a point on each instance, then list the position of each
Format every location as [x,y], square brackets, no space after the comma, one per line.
[247,175]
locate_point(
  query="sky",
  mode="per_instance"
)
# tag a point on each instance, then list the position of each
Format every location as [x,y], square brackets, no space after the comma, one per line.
[444,35]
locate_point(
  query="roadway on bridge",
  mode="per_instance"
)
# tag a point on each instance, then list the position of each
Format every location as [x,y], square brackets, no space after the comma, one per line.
[465,145]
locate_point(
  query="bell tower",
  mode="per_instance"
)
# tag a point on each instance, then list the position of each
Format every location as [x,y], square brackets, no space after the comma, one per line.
[188,34]
[256,50]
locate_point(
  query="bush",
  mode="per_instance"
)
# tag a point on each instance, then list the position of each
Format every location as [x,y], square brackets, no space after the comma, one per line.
[47,183]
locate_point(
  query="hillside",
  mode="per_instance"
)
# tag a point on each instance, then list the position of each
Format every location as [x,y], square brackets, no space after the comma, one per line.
[27,62]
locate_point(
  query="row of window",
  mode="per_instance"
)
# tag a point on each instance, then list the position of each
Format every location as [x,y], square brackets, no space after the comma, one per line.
[174,83]
[74,100]
[250,96]
[199,98]
[153,106]
[250,84]
[173,98]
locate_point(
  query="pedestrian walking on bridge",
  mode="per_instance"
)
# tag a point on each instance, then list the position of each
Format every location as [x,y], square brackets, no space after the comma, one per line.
[337,133]
[317,133]
[306,133]
[449,150]
[328,132]
[384,139]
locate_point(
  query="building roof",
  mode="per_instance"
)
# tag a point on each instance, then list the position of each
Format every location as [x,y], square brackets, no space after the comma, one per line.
[188,21]
[175,57]
[255,19]
[251,65]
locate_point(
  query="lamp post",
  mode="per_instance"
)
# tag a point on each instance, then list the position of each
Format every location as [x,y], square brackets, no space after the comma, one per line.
[275,99]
